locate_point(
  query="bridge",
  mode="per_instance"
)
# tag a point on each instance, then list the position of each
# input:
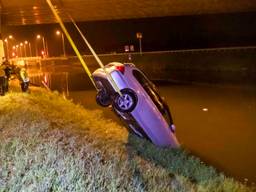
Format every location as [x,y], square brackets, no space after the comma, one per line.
[14,12]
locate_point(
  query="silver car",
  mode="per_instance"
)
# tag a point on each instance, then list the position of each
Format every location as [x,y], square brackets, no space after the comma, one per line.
[140,107]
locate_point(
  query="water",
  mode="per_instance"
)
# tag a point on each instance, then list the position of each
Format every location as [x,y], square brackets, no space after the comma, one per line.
[216,123]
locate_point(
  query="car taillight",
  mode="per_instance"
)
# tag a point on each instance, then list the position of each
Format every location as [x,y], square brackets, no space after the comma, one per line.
[120,68]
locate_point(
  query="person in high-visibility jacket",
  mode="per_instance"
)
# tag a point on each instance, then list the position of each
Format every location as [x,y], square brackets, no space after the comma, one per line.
[8,71]
[24,79]
[2,80]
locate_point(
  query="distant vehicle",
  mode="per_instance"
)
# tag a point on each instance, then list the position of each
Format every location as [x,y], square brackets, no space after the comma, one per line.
[140,107]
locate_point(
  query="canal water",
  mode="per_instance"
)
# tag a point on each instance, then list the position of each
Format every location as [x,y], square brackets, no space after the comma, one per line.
[215,122]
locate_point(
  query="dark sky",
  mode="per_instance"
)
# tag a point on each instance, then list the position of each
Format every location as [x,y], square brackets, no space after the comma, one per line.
[169,33]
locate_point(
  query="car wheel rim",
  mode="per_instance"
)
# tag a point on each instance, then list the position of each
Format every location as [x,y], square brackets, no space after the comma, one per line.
[125,102]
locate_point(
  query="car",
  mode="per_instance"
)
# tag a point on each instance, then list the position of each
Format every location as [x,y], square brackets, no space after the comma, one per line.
[139,105]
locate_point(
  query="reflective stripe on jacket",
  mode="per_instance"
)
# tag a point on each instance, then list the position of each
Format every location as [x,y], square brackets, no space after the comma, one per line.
[23,75]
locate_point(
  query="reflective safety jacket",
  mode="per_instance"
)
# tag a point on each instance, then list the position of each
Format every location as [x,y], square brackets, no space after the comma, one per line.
[2,72]
[23,75]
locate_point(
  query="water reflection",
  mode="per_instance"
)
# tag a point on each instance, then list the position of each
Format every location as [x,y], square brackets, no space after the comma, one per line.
[64,82]
[56,81]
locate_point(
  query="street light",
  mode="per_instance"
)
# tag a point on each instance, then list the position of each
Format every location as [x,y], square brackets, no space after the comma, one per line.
[63,42]
[139,36]
[7,47]
[18,51]
[29,46]
[25,48]
[43,53]
[44,47]
[21,45]
[14,51]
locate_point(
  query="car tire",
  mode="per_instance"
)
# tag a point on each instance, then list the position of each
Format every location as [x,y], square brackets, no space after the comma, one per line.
[127,102]
[103,99]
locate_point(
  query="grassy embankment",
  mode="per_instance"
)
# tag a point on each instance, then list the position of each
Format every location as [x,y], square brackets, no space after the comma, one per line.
[50,144]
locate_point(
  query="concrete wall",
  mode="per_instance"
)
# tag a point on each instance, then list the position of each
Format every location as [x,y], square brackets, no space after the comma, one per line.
[234,65]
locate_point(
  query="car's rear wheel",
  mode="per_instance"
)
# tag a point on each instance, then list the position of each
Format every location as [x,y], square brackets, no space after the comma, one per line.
[103,99]
[127,102]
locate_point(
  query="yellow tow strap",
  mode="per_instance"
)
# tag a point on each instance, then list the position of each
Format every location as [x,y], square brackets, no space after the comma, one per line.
[113,83]
[78,53]
[71,41]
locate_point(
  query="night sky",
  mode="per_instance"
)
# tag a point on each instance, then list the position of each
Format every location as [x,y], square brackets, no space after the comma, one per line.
[168,33]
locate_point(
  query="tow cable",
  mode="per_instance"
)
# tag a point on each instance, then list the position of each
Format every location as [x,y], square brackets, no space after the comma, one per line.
[55,13]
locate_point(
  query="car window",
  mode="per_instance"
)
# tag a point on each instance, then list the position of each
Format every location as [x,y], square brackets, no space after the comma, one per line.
[150,88]
[141,78]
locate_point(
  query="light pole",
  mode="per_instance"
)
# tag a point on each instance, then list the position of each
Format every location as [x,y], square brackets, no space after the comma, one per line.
[18,50]
[7,48]
[36,48]
[25,47]
[44,47]
[63,42]
[21,45]
[14,51]
[139,36]
[30,50]
[27,43]
[8,44]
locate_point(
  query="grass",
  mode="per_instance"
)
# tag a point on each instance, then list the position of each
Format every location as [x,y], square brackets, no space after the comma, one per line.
[48,143]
